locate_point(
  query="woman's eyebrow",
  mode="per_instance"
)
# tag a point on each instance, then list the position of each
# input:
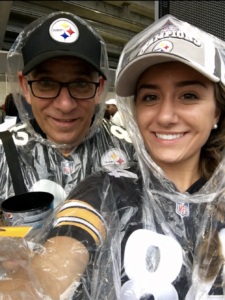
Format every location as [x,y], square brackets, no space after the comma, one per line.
[148,86]
[178,84]
[190,82]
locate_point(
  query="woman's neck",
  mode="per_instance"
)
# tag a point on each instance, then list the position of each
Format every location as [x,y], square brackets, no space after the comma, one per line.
[182,174]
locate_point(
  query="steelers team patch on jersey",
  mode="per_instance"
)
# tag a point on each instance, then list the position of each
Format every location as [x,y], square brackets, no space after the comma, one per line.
[114,156]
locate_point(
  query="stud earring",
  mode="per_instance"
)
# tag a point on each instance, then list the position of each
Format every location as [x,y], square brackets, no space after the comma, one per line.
[215,126]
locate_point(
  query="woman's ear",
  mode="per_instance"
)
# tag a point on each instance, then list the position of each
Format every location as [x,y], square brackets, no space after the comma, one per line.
[217,115]
[24,86]
[100,89]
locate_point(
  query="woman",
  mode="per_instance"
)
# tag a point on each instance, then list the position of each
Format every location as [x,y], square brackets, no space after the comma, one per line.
[171,80]
[170,87]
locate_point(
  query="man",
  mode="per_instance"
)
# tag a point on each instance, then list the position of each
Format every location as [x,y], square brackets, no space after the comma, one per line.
[113,111]
[64,71]
[63,78]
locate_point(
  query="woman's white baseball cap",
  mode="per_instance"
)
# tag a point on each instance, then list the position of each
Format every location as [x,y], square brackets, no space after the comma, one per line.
[170,39]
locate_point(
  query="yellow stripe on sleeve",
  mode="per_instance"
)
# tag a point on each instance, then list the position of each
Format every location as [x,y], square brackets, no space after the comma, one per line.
[95,237]
[84,214]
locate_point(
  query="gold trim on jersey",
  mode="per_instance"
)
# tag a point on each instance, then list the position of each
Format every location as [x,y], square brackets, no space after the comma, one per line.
[86,228]
[83,215]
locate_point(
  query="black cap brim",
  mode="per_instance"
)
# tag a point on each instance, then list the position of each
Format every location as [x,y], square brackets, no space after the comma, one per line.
[41,58]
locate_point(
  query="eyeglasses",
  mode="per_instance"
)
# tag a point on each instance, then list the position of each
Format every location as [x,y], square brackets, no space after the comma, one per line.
[46,89]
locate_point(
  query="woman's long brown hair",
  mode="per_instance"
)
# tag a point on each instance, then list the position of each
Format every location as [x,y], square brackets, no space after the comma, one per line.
[210,251]
[211,153]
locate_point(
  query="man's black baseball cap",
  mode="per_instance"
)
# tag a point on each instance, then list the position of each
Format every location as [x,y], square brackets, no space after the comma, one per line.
[62,35]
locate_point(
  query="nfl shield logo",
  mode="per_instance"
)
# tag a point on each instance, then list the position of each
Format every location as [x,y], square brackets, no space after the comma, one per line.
[67,167]
[182,209]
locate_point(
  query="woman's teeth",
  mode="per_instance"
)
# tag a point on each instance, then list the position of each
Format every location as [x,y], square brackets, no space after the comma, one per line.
[169,136]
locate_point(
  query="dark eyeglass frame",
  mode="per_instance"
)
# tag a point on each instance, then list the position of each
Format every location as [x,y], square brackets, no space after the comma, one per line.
[66,84]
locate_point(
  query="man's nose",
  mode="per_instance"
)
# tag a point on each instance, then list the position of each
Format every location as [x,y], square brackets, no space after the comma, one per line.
[168,112]
[64,101]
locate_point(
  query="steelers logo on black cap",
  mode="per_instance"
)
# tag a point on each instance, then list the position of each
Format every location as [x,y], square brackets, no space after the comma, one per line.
[64,31]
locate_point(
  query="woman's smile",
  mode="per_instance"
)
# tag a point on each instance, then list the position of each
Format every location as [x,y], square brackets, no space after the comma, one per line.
[167,136]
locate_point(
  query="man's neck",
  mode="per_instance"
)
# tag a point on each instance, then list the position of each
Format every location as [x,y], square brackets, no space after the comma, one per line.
[65,152]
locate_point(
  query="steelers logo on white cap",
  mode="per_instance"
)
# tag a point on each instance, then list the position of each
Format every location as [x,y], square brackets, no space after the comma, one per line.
[163,46]
[64,31]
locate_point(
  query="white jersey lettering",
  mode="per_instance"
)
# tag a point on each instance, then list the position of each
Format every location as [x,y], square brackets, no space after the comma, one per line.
[142,281]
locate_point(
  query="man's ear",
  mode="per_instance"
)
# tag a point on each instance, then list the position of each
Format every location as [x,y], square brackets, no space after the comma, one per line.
[100,89]
[24,86]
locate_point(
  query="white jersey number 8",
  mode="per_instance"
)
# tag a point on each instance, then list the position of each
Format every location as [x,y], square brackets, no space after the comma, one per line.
[142,282]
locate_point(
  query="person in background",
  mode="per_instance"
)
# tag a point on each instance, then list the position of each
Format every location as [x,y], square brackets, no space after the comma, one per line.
[10,107]
[11,113]
[111,108]
[107,115]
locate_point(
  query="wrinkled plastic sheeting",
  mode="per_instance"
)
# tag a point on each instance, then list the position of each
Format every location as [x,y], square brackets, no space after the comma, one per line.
[160,196]
[44,168]
[101,279]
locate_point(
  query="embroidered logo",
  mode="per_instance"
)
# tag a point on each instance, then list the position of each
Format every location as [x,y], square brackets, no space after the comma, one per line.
[114,156]
[163,46]
[170,32]
[182,209]
[64,31]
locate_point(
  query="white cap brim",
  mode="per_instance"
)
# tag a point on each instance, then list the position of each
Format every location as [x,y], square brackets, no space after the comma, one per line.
[127,79]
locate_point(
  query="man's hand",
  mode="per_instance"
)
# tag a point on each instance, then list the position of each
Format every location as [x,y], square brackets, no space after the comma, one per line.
[60,262]
[13,254]
[11,266]
[20,284]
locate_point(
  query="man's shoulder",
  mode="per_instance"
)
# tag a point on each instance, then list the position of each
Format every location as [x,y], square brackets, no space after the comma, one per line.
[112,131]
[19,134]
[114,145]
[23,134]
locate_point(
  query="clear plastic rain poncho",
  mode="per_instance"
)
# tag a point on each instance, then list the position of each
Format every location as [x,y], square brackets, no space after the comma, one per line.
[101,277]
[144,238]
[187,223]
[44,168]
